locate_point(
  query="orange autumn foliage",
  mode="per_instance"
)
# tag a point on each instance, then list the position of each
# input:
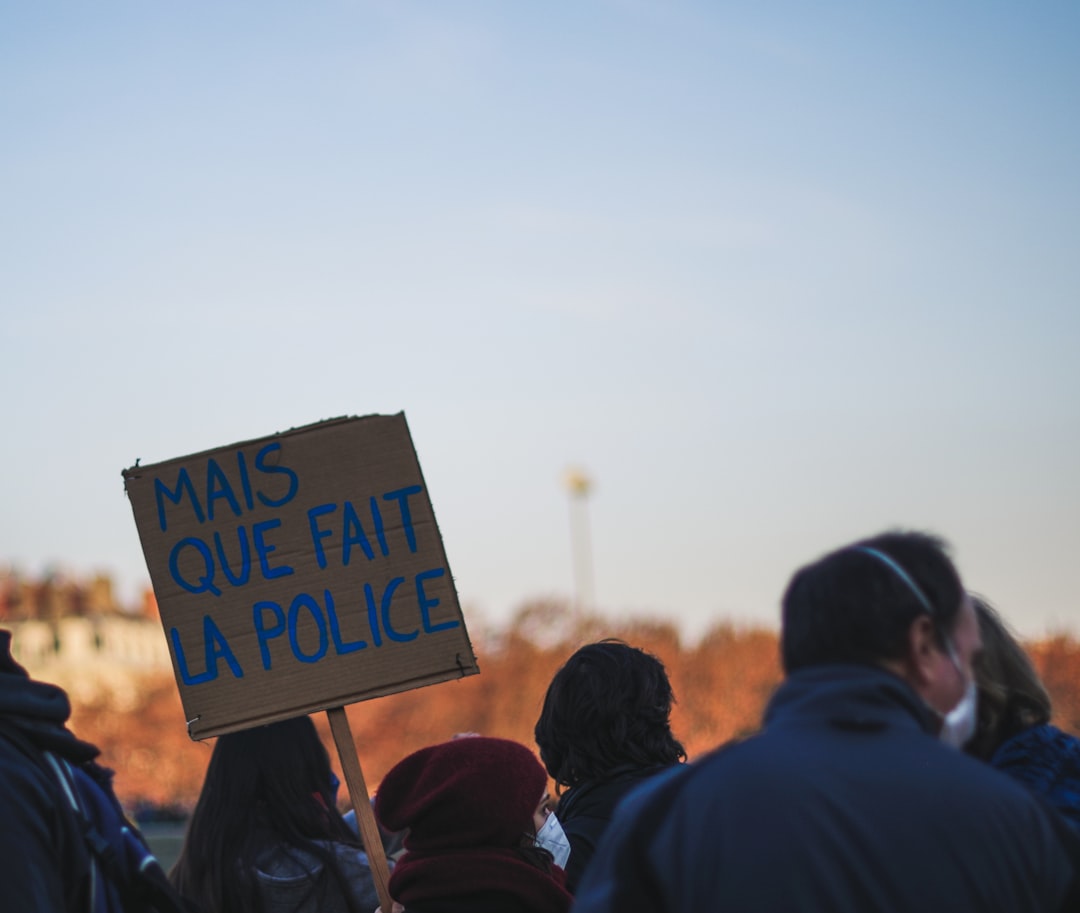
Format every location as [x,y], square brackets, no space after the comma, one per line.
[721,683]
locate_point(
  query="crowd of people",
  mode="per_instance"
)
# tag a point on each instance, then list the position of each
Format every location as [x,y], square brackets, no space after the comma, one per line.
[907,762]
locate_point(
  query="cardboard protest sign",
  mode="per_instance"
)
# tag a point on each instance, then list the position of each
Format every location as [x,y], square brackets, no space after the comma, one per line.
[299,572]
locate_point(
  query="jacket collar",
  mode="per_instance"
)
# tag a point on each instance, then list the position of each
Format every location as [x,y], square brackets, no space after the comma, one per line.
[850,697]
[621,778]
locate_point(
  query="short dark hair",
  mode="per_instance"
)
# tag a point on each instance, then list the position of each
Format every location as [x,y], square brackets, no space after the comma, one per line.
[852,607]
[609,706]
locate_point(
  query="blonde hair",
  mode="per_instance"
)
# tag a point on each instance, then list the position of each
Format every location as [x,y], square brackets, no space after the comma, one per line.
[1011,695]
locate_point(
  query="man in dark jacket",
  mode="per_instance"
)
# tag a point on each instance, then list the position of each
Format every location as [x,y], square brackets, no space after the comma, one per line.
[849,799]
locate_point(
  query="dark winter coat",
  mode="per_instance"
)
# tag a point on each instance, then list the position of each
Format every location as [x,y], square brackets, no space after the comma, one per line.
[294,881]
[45,865]
[1047,761]
[586,810]
[845,802]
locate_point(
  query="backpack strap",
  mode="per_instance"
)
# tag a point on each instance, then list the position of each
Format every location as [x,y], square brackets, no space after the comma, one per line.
[67,806]
[102,853]
[130,867]
[132,870]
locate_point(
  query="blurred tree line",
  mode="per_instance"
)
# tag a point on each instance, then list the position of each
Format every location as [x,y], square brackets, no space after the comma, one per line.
[721,684]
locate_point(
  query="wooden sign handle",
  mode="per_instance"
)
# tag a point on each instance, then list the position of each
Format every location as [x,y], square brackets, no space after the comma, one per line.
[365,817]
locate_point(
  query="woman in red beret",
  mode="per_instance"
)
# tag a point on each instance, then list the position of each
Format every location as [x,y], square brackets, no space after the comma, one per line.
[471,808]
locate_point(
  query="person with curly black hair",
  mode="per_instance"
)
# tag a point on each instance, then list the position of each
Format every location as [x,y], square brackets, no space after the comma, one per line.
[604,728]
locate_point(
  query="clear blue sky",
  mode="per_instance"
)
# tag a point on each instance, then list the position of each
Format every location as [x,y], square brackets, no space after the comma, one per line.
[776,276]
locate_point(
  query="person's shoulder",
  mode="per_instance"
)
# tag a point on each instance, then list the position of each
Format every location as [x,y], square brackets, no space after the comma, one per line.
[597,799]
[1046,760]
[355,868]
[284,863]
[666,782]
[285,874]
[1044,744]
[995,806]
[706,771]
[655,796]
[24,780]
[351,858]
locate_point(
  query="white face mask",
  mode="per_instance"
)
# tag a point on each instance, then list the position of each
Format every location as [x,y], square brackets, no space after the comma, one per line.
[960,722]
[553,839]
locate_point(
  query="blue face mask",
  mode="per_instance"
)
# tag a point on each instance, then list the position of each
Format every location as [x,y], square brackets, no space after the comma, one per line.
[552,838]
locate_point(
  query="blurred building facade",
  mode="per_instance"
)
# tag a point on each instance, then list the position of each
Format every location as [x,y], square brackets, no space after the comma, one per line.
[74,633]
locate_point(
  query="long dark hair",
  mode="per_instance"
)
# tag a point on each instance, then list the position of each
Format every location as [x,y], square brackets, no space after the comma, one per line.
[1012,698]
[608,707]
[265,787]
